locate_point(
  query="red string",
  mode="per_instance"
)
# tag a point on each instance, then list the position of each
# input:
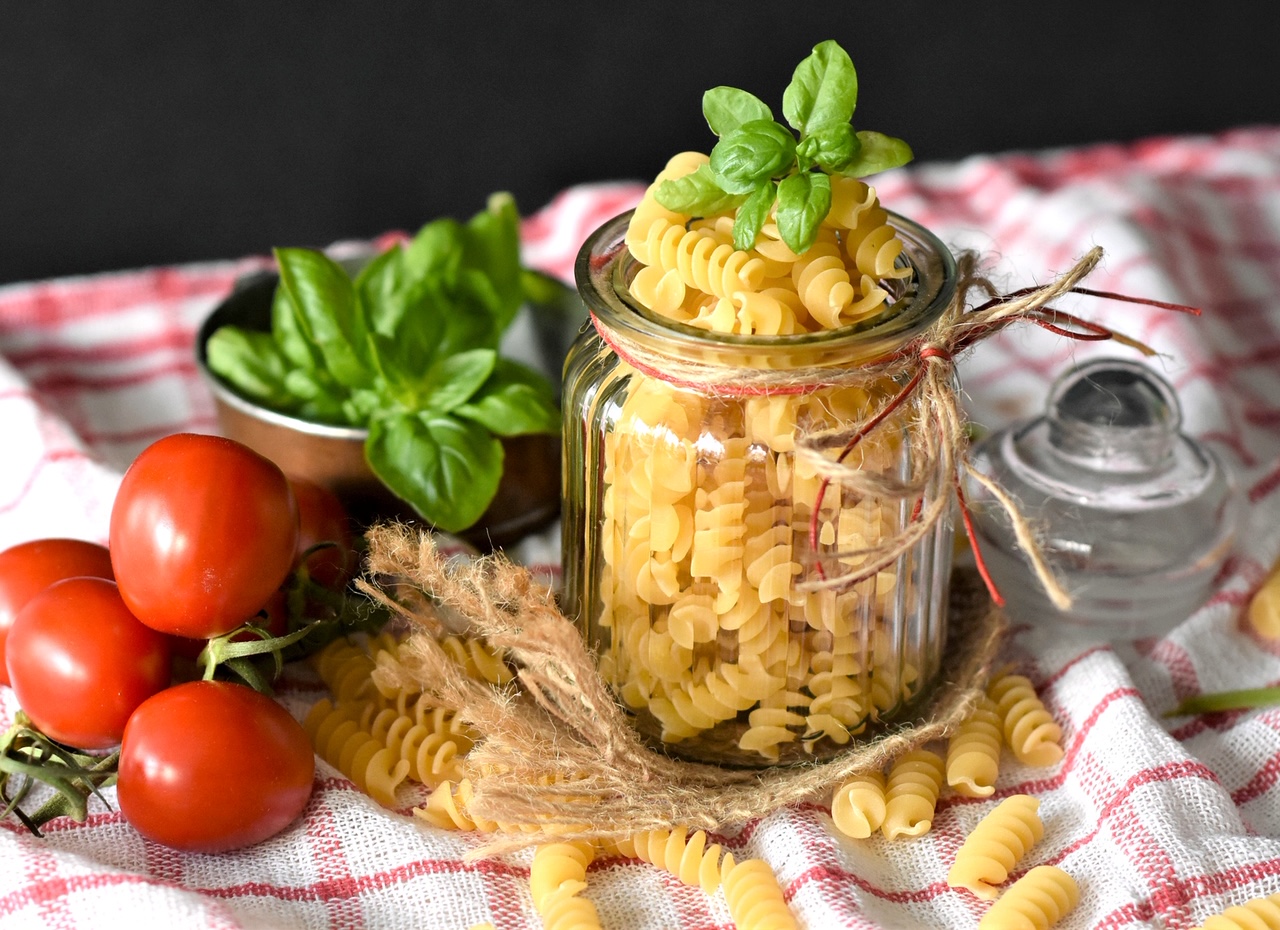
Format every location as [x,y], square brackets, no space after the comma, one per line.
[981,563]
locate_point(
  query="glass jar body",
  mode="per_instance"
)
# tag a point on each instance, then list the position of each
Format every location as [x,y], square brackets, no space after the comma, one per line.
[703,543]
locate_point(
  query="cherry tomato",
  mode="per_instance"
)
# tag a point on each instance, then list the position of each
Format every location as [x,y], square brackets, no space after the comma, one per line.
[322,518]
[80,662]
[276,622]
[28,568]
[209,766]
[203,531]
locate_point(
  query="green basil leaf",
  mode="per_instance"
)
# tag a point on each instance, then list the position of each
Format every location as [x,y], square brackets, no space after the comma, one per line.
[877,152]
[329,312]
[803,201]
[751,154]
[454,379]
[823,89]
[362,405]
[727,108]
[514,401]
[831,148]
[491,250]
[540,288]
[252,363]
[319,397]
[286,329]
[696,194]
[435,251]
[752,215]
[402,356]
[476,293]
[447,469]
[379,288]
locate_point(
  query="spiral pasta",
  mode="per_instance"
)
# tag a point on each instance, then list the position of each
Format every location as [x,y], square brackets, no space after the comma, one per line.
[1029,730]
[340,734]
[688,858]
[973,754]
[754,896]
[822,281]
[858,806]
[996,844]
[557,878]
[1036,901]
[915,780]
[837,280]
[1258,914]
[381,735]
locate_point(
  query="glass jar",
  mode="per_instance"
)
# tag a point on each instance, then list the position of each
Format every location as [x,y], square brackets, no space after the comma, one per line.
[703,541]
[1137,517]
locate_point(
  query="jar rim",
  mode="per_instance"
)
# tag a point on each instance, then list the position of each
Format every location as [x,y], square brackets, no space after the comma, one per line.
[605,265]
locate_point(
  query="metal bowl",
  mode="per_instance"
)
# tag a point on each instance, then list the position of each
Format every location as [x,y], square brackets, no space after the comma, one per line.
[528,496]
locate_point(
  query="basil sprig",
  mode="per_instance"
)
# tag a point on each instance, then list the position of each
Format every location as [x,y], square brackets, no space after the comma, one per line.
[408,349]
[758,161]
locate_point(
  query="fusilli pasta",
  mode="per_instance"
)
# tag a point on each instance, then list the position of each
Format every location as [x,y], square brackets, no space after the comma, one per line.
[996,844]
[1029,730]
[753,895]
[1036,901]
[973,754]
[1258,914]
[858,806]
[557,878]
[915,781]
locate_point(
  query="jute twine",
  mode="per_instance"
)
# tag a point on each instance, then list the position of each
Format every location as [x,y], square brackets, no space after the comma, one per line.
[560,723]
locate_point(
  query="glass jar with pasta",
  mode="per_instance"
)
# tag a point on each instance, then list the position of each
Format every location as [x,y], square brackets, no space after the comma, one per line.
[712,553]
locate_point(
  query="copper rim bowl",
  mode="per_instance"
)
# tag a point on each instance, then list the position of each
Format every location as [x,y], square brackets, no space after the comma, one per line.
[528,496]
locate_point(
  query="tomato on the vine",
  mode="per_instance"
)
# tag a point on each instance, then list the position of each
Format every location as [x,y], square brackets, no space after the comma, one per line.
[203,531]
[28,568]
[323,519]
[210,766]
[81,663]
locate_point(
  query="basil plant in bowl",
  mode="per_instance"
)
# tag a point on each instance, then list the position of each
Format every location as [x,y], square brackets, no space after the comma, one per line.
[405,356]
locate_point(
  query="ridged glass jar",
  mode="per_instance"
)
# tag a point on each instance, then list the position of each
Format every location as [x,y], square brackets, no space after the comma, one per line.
[691,515]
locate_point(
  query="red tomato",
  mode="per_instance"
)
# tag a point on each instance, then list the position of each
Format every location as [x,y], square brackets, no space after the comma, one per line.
[322,518]
[276,622]
[28,568]
[210,766]
[203,531]
[81,663]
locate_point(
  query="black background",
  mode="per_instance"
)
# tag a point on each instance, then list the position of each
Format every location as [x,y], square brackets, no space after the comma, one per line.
[143,133]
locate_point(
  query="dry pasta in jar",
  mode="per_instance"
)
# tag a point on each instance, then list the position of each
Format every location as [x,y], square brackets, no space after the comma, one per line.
[732,583]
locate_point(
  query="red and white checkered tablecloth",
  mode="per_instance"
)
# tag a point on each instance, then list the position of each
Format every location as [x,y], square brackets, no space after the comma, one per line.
[1161,822]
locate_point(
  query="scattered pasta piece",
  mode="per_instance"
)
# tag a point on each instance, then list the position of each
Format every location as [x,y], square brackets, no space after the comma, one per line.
[1258,914]
[996,845]
[688,858]
[858,806]
[754,896]
[557,878]
[1036,901]
[973,754]
[915,781]
[1029,730]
